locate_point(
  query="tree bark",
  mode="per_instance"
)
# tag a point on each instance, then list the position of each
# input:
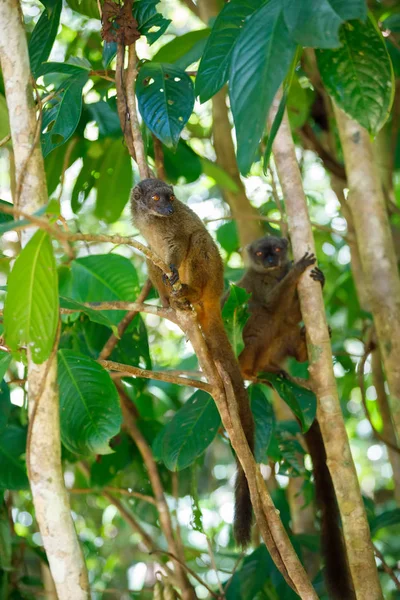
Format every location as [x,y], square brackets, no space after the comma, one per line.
[375,244]
[340,463]
[50,498]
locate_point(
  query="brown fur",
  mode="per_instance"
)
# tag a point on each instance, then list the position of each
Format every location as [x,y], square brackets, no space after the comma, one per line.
[177,235]
[272,334]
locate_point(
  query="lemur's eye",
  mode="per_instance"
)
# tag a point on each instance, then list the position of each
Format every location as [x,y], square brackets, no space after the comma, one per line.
[277,249]
[172,198]
[156,197]
[259,253]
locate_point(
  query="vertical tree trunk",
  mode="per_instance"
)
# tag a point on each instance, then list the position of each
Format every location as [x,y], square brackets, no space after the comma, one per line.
[46,478]
[340,463]
[376,248]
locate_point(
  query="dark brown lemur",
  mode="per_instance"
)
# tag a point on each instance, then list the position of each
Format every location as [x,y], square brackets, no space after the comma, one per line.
[271,335]
[177,235]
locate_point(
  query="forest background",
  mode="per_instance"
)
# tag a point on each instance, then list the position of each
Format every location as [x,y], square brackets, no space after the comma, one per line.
[241,106]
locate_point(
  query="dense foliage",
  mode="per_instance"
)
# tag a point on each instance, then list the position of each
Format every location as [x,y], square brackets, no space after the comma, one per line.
[254,47]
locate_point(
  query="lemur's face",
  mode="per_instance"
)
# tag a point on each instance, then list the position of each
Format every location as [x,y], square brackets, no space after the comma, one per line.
[268,253]
[156,196]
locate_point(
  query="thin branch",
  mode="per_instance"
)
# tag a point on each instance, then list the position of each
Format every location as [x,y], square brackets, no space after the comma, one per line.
[129,371]
[122,105]
[165,313]
[189,570]
[369,346]
[113,490]
[214,566]
[131,74]
[154,476]
[386,568]
[5,139]
[124,324]
[107,74]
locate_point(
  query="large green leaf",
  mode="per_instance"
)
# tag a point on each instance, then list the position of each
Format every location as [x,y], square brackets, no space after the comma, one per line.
[228,238]
[264,420]
[184,162]
[150,23]
[316,22]
[166,98]
[261,58]
[43,35]
[359,74]
[104,277]
[31,307]
[62,116]
[115,183]
[214,65]
[302,401]
[183,50]
[12,467]
[189,433]
[90,413]
[235,315]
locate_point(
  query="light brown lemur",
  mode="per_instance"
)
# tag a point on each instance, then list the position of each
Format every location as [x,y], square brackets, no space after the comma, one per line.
[271,335]
[177,235]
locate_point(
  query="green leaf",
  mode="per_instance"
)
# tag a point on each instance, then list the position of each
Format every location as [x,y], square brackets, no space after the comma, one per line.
[183,50]
[274,129]
[104,470]
[5,359]
[109,52]
[106,119]
[5,404]
[386,519]
[84,183]
[90,413]
[12,467]
[182,163]
[264,419]
[260,61]
[4,124]
[43,35]
[216,60]
[89,8]
[5,543]
[316,23]
[227,236]
[166,98]
[94,315]
[62,116]
[235,315]
[189,433]
[359,74]
[115,183]
[31,307]
[104,277]
[150,22]
[302,401]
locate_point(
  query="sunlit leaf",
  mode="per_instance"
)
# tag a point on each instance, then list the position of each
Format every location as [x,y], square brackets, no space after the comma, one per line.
[359,74]
[31,307]
[235,315]
[150,22]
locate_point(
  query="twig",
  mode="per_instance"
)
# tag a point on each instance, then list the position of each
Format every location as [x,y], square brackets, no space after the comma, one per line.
[5,139]
[161,503]
[124,324]
[108,74]
[159,158]
[113,490]
[129,371]
[386,567]
[214,566]
[369,345]
[189,570]
[131,74]
[122,105]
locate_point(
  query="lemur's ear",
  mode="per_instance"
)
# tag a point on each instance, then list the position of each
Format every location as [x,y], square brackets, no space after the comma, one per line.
[136,193]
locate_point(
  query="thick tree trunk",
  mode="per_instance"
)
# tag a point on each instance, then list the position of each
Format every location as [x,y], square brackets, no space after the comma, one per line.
[50,498]
[376,248]
[355,525]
